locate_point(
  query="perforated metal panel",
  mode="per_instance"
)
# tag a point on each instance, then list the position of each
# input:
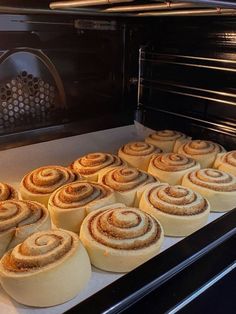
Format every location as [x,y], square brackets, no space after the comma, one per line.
[31,92]
[25,98]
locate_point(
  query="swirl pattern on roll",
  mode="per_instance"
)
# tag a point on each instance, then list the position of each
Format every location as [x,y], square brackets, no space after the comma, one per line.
[94,162]
[167,135]
[173,162]
[20,213]
[226,162]
[7,192]
[79,194]
[177,200]
[124,228]
[39,250]
[124,179]
[139,149]
[213,179]
[45,180]
[229,158]
[200,147]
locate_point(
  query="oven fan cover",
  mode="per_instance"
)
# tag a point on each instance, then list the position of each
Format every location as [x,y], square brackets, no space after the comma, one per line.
[31,91]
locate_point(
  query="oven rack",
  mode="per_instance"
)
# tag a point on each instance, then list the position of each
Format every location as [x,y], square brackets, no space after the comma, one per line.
[192,86]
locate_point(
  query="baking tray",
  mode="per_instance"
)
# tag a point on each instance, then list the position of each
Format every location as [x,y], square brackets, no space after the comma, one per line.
[14,163]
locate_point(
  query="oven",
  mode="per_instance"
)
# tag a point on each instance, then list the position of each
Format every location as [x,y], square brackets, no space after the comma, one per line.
[84,76]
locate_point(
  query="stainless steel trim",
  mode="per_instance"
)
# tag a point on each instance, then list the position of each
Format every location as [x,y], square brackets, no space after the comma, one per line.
[202,289]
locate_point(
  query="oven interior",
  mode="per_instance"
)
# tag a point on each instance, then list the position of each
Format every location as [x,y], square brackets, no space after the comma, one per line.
[73,72]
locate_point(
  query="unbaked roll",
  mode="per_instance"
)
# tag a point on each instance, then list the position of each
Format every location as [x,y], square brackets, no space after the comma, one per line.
[91,165]
[18,220]
[204,152]
[48,268]
[171,167]
[71,203]
[120,238]
[40,183]
[217,186]
[7,192]
[226,162]
[167,140]
[138,154]
[125,181]
[180,210]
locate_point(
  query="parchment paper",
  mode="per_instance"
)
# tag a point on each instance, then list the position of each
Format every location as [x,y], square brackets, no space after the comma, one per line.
[14,163]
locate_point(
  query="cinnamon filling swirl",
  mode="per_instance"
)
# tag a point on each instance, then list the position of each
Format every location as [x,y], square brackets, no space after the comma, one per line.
[173,162]
[167,135]
[126,178]
[124,228]
[177,200]
[139,149]
[79,194]
[213,179]
[46,180]
[39,250]
[229,158]
[19,213]
[199,147]
[94,162]
[7,192]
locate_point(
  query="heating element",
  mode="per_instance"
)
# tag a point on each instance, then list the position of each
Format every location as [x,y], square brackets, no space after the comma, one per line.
[153,8]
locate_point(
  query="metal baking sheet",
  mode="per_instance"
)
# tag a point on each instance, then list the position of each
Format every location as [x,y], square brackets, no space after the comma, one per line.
[14,163]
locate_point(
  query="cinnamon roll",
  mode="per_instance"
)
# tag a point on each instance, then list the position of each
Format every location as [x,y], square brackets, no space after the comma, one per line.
[7,192]
[19,219]
[48,268]
[180,210]
[120,238]
[40,183]
[167,140]
[91,165]
[71,203]
[125,181]
[202,151]
[171,167]
[217,186]
[226,162]
[138,154]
